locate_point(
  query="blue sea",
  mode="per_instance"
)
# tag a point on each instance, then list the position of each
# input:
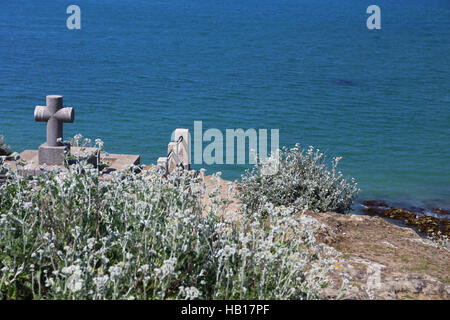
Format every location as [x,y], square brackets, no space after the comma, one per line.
[136,70]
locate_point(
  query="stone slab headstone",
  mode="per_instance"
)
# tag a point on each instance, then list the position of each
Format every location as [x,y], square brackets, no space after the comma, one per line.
[183,147]
[173,159]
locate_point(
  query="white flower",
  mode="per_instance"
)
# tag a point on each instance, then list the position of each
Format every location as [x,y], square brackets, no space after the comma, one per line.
[49,282]
[167,268]
[74,282]
[189,293]
[100,282]
[144,268]
[115,271]
[91,243]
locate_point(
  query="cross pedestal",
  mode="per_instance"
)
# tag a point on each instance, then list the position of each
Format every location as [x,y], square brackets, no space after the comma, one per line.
[52,156]
[52,151]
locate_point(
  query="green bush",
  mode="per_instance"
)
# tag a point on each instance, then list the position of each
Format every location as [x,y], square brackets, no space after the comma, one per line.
[301,180]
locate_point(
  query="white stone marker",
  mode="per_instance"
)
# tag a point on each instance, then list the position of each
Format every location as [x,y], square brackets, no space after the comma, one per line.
[183,149]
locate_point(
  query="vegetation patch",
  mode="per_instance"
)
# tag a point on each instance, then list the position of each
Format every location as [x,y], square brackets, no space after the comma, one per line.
[74,235]
[300,179]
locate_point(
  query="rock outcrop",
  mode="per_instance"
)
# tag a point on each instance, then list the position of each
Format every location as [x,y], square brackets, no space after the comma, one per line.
[383,261]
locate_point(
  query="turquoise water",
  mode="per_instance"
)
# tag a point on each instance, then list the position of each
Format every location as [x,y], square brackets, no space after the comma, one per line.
[139,69]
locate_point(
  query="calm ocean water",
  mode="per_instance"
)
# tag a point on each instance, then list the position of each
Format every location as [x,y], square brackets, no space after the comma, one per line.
[139,69]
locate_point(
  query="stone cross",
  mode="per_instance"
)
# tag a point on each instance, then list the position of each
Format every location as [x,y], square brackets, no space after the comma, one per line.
[55,115]
[52,152]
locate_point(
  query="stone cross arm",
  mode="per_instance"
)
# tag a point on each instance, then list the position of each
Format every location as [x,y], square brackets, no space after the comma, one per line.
[55,115]
[42,114]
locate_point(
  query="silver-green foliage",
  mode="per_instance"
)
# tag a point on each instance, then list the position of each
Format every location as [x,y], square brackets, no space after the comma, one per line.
[72,235]
[303,181]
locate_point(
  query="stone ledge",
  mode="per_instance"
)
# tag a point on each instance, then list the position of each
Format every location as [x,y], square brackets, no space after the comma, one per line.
[116,162]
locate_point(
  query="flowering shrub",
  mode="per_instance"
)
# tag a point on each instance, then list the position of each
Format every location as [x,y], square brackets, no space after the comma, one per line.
[74,235]
[302,181]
